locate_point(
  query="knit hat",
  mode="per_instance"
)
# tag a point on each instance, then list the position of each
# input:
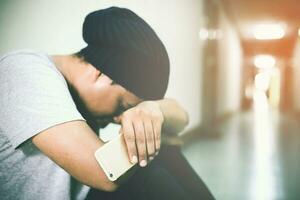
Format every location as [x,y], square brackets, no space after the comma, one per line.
[124,47]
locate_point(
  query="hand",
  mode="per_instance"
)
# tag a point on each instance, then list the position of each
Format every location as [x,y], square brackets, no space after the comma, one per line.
[141,126]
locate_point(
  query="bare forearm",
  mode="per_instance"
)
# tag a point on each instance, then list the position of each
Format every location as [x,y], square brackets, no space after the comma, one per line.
[175,117]
[72,145]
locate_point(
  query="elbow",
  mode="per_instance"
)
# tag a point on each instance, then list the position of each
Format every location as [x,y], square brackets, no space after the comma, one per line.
[108,187]
[183,122]
[103,183]
[185,119]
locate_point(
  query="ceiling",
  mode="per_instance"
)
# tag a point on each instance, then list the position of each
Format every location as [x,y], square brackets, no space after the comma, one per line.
[254,10]
[245,13]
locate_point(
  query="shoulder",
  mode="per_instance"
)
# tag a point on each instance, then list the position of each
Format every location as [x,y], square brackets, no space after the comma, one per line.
[26,59]
[23,56]
[28,64]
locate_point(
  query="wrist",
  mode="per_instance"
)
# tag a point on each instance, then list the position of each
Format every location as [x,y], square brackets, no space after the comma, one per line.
[159,105]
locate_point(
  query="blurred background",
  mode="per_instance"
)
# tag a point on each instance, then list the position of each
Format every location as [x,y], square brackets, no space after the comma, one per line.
[235,67]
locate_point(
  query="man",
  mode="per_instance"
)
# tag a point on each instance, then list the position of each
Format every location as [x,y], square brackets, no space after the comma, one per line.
[121,77]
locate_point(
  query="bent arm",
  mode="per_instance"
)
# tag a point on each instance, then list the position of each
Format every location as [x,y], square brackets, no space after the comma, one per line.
[175,117]
[72,146]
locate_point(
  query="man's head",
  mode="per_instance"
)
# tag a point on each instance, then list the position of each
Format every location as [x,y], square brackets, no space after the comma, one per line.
[125,48]
[125,62]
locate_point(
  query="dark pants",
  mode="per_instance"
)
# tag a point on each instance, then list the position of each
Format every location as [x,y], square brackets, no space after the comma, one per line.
[168,176]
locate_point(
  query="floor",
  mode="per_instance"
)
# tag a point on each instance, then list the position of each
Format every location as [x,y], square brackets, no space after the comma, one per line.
[254,156]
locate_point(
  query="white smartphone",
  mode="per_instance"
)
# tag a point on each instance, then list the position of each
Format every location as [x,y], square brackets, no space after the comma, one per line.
[113,158]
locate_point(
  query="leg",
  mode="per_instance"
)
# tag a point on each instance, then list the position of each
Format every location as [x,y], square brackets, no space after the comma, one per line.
[150,183]
[171,158]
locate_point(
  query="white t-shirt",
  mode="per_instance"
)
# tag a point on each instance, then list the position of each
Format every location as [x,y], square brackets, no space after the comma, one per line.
[33,97]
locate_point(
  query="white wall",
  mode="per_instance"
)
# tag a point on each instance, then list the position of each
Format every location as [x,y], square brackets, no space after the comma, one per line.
[229,70]
[55,27]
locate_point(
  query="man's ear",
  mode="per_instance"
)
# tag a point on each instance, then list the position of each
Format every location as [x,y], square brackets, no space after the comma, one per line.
[118,119]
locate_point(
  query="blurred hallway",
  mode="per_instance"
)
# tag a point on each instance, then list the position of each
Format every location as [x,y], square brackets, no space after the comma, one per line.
[249,143]
[253,155]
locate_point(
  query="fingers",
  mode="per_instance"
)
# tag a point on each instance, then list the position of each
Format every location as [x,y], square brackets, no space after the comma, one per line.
[157,135]
[141,126]
[129,136]
[140,142]
[150,144]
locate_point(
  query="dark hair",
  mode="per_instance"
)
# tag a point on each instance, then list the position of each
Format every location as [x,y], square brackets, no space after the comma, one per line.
[80,56]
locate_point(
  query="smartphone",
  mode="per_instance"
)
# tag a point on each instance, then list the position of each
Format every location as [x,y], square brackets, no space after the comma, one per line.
[113,158]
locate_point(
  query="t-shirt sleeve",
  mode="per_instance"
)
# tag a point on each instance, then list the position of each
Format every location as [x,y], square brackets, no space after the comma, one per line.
[34,97]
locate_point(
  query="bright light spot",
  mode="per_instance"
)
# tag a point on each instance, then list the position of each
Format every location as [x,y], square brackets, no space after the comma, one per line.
[211,34]
[215,34]
[249,91]
[274,91]
[262,81]
[268,31]
[299,32]
[203,34]
[264,61]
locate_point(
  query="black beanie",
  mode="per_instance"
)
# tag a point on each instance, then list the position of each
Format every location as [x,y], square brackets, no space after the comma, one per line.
[125,48]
